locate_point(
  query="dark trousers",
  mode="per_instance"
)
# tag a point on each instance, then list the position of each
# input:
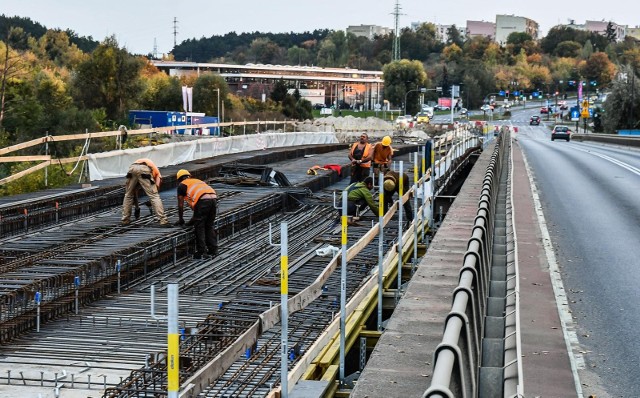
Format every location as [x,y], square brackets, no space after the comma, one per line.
[358,173]
[204,215]
[388,202]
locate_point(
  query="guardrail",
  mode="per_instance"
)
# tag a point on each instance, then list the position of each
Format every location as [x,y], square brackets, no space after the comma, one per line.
[608,139]
[457,358]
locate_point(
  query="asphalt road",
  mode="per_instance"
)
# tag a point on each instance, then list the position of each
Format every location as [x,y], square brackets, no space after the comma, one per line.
[590,195]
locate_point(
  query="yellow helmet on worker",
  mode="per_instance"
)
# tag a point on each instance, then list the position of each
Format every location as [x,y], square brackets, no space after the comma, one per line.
[182,173]
[389,185]
[386,141]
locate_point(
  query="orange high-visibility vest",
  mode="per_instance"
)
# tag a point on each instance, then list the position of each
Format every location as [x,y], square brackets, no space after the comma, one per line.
[365,153]
[195,189]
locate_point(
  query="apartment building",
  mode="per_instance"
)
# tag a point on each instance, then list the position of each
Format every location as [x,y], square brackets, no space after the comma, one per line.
[507,24]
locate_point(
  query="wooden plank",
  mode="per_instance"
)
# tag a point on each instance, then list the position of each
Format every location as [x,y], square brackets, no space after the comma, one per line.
[25,172]
[22,145]
[219,365]
[35,158]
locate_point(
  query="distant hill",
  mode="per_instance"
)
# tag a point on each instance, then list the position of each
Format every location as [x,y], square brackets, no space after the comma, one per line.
[206,49]
[36,30]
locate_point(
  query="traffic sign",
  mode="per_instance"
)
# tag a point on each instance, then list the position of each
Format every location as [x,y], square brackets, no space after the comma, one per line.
[575,115]
[501,93]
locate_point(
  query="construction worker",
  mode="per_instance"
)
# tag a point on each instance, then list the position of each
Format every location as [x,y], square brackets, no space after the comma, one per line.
[382,154]
[203,200]
[143,173]
[391,186]
[360,155]
[359,195]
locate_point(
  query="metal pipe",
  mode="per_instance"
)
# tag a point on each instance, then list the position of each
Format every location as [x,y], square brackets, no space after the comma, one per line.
[343,284]
[173,342]
[76,282]
[400,211]
[38,299]
[284,291]
[380,247]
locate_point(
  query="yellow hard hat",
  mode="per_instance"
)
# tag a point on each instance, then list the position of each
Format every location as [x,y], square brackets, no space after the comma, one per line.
[389,185]
[386,141]
[312,172]
[182,173]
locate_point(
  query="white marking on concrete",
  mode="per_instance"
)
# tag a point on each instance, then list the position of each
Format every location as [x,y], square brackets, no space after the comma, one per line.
[568,328]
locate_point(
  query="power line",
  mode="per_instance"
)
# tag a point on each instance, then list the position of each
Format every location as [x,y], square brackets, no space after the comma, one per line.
[175,31]
[396,39]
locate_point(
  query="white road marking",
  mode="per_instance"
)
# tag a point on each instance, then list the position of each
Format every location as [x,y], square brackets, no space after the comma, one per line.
[568,328]
[617,162]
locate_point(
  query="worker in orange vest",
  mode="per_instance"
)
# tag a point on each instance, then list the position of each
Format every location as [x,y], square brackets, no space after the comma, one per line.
[360,156]
[203,200]
[143,173]
[382,154]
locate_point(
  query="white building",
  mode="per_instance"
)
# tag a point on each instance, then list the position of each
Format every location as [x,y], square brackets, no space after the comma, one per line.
[442,32]
[507,24]
[369,31]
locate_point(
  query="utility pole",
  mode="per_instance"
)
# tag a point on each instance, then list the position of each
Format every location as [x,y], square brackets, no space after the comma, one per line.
[155,48]
[396,34]
[175,32]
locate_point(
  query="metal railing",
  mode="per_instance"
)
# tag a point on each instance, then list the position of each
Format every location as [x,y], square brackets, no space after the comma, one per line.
[457,357]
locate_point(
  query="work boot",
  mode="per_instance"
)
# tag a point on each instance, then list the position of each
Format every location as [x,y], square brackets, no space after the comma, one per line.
[136,213]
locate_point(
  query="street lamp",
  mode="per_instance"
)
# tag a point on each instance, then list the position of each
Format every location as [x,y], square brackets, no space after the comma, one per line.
[421,89]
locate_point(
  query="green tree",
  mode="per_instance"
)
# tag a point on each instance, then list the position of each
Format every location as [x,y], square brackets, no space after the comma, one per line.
[162,93]
[206,89]
[109,79]
[399,78]
[265,51]
[12,65]
[279,91]
[587,50]
[454,37]
[568,48]
[622,107]
[610,33]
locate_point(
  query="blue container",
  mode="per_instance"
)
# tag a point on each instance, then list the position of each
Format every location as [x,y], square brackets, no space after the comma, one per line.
[205,120]
[153,119]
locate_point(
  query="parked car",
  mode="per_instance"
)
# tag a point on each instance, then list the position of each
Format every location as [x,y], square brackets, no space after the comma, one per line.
[442,108]
[428,110]
[403,122]
[535,120]
[544,109]
[560,132]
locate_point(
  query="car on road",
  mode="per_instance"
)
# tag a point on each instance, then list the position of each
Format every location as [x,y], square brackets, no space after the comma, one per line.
[544,109]
[428,110]
[535,120]
[442,108]
[561,132]
[422,117]
[486,108]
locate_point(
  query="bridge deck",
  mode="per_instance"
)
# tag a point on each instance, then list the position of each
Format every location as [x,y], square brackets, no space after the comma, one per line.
[401,363]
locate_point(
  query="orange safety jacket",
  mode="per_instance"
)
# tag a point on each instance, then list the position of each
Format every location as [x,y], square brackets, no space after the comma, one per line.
[365,153]
[155,172]
[195,189]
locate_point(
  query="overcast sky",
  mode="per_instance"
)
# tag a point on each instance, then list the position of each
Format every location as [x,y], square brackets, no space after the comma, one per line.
[136,23]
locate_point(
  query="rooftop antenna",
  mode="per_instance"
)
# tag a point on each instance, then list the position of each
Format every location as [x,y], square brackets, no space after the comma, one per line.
[396,39]
[175,31]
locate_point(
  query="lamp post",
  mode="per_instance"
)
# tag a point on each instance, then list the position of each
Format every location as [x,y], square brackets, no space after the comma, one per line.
[421,89]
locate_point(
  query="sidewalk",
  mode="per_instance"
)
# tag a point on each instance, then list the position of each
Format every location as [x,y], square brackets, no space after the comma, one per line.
[546,365]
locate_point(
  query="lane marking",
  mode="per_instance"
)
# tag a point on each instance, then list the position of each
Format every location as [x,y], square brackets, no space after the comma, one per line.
[568,328]
[615,161]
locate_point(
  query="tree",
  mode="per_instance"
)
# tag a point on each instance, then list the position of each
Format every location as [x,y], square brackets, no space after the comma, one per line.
[399,78]
[623,103]
[265,51]
[516,41]
[452,53]
[162,92]
[454,37]
[587,50]
[279,92]
[610,33]
[110,78]
[598,68]
[209,90]
[12,66]
[568,49]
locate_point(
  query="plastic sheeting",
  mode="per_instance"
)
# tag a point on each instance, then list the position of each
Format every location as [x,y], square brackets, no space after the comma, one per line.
[116,163]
